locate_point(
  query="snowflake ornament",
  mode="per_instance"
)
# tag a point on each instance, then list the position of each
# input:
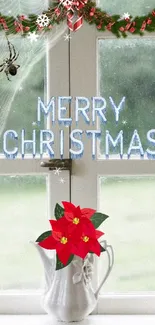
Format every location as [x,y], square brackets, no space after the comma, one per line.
[67,37]
[43,20]
[125,16]
[67,3]
[61,180]
[57,171]
[32,37]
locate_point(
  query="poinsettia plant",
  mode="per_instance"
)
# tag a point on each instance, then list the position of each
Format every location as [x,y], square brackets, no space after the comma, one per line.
[74,232]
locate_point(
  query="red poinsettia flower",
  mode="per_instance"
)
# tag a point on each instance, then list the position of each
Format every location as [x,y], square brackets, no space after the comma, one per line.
[59,240]
[75,214]
[85,240]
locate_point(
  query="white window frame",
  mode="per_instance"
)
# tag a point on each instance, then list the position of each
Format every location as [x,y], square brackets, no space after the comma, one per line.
[57,68]
[82,77]
[85,82]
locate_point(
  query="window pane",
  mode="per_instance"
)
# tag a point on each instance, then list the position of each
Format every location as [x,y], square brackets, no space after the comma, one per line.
[18,108]
[15,7]
[19,97]
[126,69]
[129,202]
[139,7]
[23,218]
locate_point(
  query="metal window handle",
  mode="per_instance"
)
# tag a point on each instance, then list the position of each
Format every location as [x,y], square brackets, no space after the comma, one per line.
[64,164]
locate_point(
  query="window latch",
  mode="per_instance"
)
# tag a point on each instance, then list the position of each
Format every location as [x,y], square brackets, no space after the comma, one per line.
[52,164]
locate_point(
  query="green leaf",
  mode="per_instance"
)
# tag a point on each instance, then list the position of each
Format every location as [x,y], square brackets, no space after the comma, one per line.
[58,212]
[60,265]
[98,218]
[43,236]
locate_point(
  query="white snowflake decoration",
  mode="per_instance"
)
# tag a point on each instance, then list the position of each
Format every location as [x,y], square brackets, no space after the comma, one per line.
[67,37]
[43,20]
[57,171]
[125,16]
[67,3]
[61,180]
[32,37]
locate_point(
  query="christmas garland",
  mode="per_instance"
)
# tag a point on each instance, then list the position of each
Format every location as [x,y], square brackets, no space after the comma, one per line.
[75,12]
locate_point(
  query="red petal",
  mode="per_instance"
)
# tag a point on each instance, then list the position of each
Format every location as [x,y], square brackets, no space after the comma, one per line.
[54,224]
[94,247]
[72,228]
[69,207]
[78,213]
[57,232]
[88,228]
[69,216]
[48,243]
[81,249]
[99,233]
[87,213]
[64,252]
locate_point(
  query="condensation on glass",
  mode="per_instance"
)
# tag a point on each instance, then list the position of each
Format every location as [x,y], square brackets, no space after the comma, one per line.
[126,69]
[23,207]
[129,202]
[138,7]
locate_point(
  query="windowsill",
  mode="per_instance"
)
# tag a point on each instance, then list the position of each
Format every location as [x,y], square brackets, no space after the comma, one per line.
[91,320]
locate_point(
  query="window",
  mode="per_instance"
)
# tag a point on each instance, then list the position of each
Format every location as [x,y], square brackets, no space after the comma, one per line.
[29,192]
[101,183]
[120,188]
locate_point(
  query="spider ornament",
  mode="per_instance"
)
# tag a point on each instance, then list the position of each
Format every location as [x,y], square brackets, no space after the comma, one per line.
[9,66]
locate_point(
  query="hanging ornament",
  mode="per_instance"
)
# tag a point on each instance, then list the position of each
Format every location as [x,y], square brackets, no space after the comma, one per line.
[74,17]
[43,20]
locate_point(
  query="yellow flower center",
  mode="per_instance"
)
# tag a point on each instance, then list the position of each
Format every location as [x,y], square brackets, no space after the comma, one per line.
[85,239]
[76,221]
[64,240]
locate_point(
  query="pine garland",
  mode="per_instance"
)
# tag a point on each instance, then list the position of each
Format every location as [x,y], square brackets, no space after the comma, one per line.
[91,14]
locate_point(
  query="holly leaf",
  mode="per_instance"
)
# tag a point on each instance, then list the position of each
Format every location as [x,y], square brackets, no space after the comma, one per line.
[58,212]
[43,236]
[98,218]
[60,265]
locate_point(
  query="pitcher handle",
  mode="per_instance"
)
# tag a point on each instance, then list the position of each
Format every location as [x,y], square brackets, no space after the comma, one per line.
[110,254]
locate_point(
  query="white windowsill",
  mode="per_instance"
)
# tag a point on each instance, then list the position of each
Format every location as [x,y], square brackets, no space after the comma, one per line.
[91,320]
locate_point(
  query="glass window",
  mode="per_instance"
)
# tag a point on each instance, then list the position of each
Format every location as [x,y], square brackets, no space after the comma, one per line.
[138,7]
[23,208]
[19,96]
[126,69]
[15,7]
[129,202]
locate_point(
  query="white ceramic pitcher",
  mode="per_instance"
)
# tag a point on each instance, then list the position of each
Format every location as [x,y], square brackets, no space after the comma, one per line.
[68,292]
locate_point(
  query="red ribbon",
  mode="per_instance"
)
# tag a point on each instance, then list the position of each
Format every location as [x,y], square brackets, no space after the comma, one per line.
[76,25]
[80,4]
[72,9]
